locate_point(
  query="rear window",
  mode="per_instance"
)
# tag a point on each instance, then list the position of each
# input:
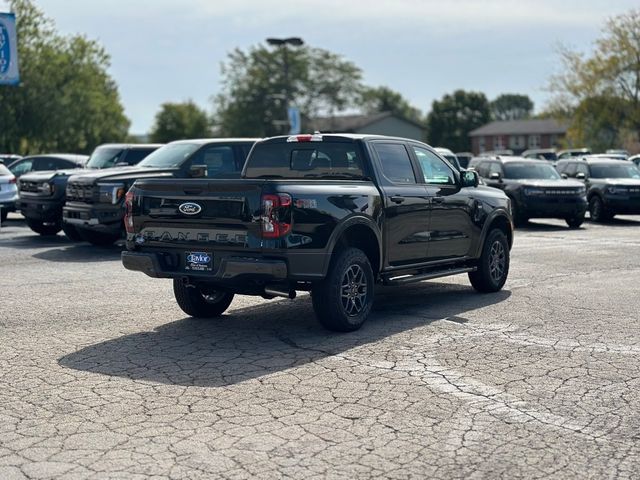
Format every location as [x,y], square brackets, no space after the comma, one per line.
[306,160]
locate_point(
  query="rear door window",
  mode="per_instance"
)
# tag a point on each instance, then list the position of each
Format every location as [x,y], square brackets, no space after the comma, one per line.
[395,163]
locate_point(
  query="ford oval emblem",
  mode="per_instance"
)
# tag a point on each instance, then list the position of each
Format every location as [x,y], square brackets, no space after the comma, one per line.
[190,208]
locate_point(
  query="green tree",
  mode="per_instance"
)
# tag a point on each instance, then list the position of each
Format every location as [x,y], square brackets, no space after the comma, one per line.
[600,92]
[511,106]
[66,100]
[384,99]
[175,121]
[452,118]
[257,83]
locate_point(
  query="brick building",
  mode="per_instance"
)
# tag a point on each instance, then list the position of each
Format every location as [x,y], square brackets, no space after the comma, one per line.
[517,135]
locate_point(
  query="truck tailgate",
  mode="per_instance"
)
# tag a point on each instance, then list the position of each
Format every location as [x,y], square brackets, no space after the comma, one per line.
[213,213]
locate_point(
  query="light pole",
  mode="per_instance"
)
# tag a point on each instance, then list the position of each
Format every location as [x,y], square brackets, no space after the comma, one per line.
[282,43]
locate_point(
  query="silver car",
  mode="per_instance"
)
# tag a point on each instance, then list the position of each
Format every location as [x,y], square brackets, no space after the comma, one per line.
[8,192]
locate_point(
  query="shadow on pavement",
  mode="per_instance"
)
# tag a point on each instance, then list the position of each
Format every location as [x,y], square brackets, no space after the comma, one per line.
[255,341]
[80,252]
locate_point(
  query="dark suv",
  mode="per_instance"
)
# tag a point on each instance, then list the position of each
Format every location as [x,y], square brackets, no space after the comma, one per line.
[95,200]
[535,188]
[613,186]
[42,194]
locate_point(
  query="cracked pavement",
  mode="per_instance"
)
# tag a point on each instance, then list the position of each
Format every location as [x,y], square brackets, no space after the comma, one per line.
[103,376]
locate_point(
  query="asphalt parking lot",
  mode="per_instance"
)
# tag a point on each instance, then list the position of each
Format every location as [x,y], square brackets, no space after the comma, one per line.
[101,374]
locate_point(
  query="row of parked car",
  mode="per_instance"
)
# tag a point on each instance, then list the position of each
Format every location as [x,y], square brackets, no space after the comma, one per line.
[332,214]
[83,196]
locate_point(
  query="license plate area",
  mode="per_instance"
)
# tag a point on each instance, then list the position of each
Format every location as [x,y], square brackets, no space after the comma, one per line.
[198,261]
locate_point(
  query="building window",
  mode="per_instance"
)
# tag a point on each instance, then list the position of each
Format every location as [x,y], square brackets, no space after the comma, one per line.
[498,143]
[554,140]
[534,141]
[516,141]
[481,144]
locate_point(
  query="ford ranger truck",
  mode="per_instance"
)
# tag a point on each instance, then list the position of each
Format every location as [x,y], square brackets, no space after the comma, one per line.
[331,214]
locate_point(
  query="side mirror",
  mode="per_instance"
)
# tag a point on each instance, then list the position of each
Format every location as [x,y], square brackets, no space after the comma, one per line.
[198,171]
[581,176]
[564,176]
[495,176]
[469,178]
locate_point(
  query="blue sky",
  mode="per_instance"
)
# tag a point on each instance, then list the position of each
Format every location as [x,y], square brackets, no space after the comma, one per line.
[170,50]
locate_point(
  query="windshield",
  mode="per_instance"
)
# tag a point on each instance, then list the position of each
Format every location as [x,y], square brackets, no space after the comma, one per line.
[614,171]
[169,156]
[530,171]
[305,160]
[104,157]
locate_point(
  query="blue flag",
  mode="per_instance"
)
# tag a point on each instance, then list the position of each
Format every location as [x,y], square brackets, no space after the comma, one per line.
[9,74]
[294,120]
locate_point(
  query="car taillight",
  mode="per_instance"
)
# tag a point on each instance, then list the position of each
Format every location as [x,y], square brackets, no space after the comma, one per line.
[128,211]
[276,215]
[12,180]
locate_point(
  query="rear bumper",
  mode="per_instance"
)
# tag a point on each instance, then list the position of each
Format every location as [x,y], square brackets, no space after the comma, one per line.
[229,270]
[97,217]
[554,207]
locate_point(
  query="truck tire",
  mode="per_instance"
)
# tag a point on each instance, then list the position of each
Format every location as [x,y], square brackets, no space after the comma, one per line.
[575,222]
[71,232]
[43,229]
[597,211]
[97,238]
[196,302]
[343,301]
[493,265]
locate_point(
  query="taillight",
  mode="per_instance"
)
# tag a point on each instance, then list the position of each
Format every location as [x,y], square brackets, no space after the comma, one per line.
[12,180]
[128,211]
[276,215]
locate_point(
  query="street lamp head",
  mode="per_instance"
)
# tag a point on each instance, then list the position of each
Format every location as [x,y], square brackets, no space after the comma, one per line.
[294,41]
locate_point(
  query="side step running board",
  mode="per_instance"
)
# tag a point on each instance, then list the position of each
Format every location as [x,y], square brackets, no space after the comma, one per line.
[420,277]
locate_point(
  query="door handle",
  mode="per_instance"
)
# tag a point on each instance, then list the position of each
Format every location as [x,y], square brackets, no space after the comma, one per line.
[396,199]
[437,200]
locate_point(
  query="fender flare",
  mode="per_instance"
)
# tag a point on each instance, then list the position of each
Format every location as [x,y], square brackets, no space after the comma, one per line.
[500,212]
[343,226]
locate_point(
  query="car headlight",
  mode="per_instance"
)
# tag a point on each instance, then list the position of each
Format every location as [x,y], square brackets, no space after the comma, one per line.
[111,192]
[47,188]
[616,190]
[582,190]
[533,191]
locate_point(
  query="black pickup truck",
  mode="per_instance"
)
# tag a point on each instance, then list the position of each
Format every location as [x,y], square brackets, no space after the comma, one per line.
[95,200]
[331,214]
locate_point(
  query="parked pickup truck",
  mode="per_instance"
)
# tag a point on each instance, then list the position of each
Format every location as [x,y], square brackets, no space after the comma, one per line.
[95,200]
[332,214]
